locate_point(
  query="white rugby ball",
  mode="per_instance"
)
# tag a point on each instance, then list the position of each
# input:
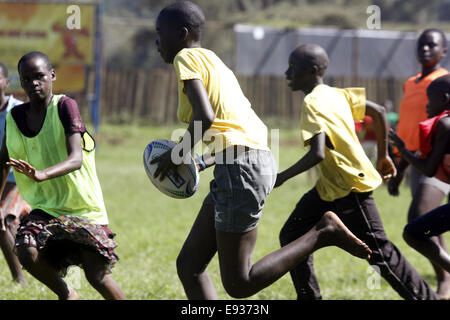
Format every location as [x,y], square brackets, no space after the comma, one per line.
[187,173]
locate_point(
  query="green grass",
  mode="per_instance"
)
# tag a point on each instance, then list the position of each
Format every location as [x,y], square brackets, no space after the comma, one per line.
[151,228]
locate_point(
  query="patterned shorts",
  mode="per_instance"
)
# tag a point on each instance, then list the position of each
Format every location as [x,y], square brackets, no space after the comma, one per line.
[60,240]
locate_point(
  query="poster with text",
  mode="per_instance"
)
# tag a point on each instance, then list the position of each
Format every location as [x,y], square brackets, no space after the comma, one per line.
[66,33]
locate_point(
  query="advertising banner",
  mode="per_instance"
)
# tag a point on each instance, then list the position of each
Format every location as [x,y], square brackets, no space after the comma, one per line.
[66,33]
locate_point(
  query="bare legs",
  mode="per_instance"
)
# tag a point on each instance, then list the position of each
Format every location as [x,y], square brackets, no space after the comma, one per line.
[429,249]
[41,270]
[239,277]
[427,198]
[419,235]
[7,239]
[198,250]
[96,274]
[93,266]
[242,279]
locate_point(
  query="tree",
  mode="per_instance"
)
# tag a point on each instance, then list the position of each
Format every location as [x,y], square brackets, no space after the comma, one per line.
[417,11]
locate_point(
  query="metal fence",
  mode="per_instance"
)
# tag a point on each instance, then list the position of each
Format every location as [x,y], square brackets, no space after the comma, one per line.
[151,96]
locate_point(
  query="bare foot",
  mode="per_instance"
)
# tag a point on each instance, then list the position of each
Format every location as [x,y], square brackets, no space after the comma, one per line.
[72,295]
[337,234]
[20,280]
[442,297]
[444,290]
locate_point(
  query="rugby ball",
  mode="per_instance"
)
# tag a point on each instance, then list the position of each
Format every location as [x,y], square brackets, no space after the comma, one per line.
[180,184]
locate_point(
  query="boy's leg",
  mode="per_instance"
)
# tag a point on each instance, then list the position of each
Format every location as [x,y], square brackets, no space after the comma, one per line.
[17,208]
[95,270]
[240,190]
[360,215]
[418,235]
[307,213]
[241,279]
[7,240]
[198,250]
[429,196]
[39,268]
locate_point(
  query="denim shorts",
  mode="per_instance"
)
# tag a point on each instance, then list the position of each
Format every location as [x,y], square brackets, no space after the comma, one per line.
[240,188]
[433,223]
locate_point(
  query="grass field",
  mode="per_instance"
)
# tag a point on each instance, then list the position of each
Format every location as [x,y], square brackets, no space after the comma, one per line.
[151,228]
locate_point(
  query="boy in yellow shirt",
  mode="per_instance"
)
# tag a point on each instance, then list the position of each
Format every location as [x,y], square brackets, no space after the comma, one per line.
[244,172]
[346,176]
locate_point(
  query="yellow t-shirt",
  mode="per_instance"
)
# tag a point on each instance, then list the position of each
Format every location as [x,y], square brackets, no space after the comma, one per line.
[235,122]
[346,168]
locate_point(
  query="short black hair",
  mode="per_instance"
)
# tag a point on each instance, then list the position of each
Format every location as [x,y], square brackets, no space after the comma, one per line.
[186,14]
[35,54]
[4,69]
[443,36]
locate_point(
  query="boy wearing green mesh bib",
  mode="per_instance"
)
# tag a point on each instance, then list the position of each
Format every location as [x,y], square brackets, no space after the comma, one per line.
[54,166]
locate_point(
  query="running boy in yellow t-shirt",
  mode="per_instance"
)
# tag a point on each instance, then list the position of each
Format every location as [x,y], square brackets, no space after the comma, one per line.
[346,176]
[244,172]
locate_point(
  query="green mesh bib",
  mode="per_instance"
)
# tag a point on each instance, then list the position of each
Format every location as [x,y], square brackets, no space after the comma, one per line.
[77,193]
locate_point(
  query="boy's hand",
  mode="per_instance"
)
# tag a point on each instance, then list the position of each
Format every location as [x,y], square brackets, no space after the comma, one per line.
[198,164]
[393,185]
[165,165]
[27,169]
[396,140]
[386,167]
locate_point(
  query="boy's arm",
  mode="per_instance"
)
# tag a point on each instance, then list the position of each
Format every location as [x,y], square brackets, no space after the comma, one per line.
[202,113]
[315,155]
[385,166]
[394,182]
[4,171]
[430,164]
[73,162]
